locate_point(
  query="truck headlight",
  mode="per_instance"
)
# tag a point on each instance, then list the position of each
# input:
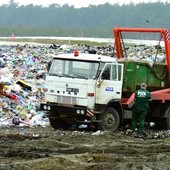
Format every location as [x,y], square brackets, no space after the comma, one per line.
[82,112]
[78,111]
[45,107]
[49,108]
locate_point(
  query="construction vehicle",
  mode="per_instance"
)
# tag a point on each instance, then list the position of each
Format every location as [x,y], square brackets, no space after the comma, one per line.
[99,90]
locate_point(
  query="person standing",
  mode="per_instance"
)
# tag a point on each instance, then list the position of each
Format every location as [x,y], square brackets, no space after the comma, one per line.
[141,108]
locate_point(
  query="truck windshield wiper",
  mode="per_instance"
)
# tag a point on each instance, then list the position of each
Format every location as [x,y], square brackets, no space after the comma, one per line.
[66,75]
[80,76]
[60,75]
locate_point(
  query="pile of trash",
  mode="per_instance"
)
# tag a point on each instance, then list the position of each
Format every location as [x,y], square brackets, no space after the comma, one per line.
[22,74]
[144,53]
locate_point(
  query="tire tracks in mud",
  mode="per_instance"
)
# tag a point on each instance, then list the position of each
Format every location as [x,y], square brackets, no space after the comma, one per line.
[77,149]
[10,148]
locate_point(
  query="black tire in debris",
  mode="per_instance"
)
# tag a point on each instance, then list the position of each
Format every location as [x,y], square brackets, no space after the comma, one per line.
[110,120]
[59,123]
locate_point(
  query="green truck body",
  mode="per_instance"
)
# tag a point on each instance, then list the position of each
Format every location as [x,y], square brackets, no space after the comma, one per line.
[136,73]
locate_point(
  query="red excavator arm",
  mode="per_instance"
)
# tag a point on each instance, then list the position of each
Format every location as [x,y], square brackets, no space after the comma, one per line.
[164,33]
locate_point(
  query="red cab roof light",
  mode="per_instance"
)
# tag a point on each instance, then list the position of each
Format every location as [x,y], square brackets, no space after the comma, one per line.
[76,53]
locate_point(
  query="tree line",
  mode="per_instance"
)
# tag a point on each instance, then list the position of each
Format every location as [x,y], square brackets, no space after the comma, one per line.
[91,21]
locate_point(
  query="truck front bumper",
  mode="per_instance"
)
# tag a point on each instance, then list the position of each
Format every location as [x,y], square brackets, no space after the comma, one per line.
[67,110]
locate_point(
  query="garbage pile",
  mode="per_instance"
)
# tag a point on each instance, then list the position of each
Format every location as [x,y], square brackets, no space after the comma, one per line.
[22,74]
[144,53]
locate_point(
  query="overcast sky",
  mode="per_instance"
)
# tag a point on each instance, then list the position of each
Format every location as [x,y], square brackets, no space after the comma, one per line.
[77,3]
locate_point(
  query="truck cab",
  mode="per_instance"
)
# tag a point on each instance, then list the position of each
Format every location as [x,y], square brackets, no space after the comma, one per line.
[84,89]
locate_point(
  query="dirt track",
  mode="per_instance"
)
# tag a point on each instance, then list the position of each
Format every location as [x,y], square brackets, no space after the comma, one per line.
[45,148]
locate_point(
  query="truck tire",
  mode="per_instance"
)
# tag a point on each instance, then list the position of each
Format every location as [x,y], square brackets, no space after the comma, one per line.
[59,124]
[109,120]
[54,123]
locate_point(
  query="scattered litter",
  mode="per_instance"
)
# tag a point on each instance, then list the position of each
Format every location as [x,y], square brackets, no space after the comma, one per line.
[98,133]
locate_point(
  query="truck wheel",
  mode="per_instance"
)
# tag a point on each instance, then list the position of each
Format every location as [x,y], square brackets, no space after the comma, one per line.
[54,123]
[109,120]
[59,124]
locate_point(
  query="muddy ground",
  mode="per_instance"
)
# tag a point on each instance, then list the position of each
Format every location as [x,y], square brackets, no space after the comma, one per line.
[43,148]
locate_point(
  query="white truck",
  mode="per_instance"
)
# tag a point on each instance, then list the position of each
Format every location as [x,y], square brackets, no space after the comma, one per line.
[84,89]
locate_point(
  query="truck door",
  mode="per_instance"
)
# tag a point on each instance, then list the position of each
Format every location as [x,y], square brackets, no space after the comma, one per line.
[109,83]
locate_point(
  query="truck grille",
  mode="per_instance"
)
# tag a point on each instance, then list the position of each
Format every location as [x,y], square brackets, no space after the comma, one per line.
[66,100]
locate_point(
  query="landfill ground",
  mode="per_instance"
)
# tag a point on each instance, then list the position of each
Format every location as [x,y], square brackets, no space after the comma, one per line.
[82,149]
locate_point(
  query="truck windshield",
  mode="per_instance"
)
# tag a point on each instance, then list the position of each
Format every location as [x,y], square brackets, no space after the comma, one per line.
[74,68]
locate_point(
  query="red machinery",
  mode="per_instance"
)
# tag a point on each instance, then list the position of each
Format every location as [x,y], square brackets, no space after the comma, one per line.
[161,98]
[164,34]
